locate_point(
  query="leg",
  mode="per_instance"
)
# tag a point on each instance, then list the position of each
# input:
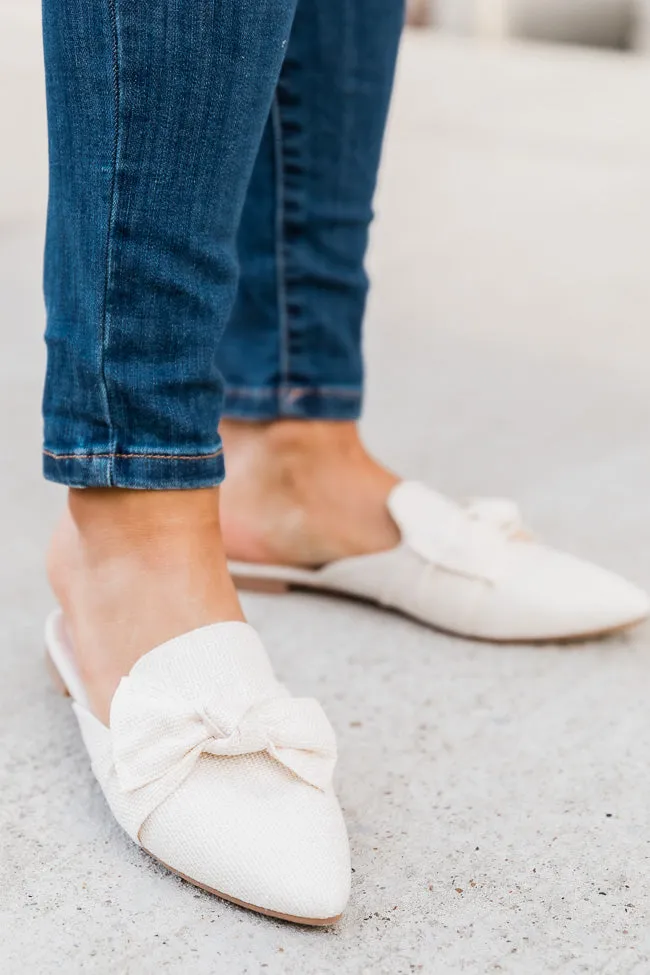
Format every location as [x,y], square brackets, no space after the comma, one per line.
[302,296]
[156,112]
[302,491]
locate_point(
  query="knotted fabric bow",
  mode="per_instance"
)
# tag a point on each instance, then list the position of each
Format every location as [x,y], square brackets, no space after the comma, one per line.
[158,737]
[468,540]
[500,513]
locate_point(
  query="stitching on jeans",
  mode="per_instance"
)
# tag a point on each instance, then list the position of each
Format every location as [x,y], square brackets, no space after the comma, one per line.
[280,262]
[111,454]
[104,327]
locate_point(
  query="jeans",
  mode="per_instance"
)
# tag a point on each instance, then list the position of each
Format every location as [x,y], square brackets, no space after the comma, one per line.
[212,169]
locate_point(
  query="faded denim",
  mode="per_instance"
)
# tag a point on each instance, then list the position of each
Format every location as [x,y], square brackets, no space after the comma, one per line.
[212,168]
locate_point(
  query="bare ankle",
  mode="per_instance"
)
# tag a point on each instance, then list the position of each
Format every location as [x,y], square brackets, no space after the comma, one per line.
[131,570]
[101,514]
[101,524]
[303,492]
[294,438]
[294,457]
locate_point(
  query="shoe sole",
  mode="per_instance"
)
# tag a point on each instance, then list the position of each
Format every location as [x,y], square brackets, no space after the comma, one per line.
[314,922]
[60,686]
[269,586]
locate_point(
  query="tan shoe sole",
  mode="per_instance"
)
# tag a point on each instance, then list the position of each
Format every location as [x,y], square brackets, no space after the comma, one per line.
[270,586]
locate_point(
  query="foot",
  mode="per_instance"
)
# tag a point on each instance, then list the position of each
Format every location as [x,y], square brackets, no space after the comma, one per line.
[302,498]
[132,569]
[303,493]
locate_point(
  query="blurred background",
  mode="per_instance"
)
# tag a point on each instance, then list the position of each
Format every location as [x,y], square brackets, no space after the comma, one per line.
[621,24]
[504,828]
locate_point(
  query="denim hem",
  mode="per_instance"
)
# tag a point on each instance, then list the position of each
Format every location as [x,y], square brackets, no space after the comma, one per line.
[154,471]
[300,402]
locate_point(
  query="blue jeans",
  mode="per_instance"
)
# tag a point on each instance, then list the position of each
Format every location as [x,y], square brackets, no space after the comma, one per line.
[212,169]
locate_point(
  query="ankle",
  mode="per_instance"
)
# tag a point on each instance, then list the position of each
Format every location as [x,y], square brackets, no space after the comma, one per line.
[103,516]
[303,492]
[295,452]
[123,533]
[133,569]
[294,437]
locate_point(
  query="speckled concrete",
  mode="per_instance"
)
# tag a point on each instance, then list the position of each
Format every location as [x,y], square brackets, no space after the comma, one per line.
[497,798]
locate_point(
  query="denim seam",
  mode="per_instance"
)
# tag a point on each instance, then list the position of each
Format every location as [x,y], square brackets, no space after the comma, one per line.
[113,454]
[281,271]
[105,321]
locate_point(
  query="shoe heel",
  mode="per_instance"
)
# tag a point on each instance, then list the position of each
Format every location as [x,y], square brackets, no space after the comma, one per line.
[257,584]
[55,676]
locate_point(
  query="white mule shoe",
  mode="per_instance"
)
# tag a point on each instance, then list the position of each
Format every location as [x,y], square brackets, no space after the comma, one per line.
[215,770]
[472,571]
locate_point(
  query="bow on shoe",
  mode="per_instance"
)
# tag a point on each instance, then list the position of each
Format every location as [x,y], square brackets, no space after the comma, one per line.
[499,513]
[467,540]
[158,737]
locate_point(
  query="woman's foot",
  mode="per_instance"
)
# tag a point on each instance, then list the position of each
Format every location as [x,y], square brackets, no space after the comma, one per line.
[303,493]
[132,569]
[302,497]
[207,762]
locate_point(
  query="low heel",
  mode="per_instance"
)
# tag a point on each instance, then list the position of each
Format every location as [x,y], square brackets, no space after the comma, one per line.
[259,584]
[55,676]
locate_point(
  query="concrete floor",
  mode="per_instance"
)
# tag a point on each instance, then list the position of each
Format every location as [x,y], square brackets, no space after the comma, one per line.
[497,798]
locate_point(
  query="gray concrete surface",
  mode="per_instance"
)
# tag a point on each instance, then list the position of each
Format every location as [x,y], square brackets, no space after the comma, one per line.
[497,797]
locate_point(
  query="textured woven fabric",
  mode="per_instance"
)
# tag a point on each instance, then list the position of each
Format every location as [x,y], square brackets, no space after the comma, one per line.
[216,770]
[469,540]
[475,571]
[162,722]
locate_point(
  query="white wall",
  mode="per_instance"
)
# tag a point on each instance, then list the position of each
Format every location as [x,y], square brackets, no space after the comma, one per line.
[601,23]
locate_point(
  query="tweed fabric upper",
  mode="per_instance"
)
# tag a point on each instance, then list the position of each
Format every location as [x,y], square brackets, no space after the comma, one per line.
[246,825]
